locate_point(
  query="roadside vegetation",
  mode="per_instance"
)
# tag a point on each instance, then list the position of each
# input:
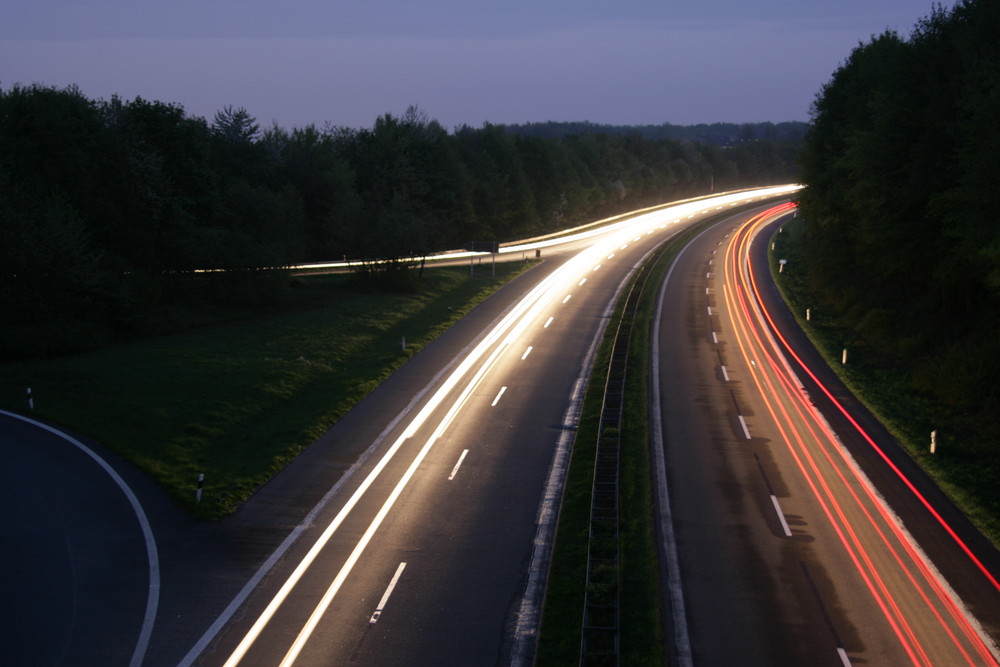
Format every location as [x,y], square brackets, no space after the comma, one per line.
[109,208]
[238,400]
[899,252]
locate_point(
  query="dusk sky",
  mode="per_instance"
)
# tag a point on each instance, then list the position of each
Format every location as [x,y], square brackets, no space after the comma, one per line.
[346,62]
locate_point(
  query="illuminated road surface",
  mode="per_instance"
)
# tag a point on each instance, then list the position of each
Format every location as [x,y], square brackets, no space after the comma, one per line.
[786,553]
[423,555]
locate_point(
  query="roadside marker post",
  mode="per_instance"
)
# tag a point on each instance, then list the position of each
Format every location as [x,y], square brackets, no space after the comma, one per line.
[201,482]
[31,400]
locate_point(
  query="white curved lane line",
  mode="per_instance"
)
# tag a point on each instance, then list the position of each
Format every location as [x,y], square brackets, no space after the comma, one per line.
[153,599]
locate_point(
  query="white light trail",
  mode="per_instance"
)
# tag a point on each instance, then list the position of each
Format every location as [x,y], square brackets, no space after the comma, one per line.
[505,333]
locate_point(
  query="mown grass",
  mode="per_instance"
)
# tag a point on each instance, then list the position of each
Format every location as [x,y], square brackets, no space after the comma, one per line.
[236,402]
[965,465]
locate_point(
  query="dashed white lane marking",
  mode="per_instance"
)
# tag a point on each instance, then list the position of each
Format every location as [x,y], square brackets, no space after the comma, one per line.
[746,431]
[526,353]
[388,592]
[454,471]
[547,323]
[568,297]
[499,394]
[725,375]
[781,516]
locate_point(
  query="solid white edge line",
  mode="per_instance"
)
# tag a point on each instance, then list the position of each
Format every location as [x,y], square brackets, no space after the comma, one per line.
[388,592]
[454,471]
[153,599]
[781,516]
[675,589]
[746,431]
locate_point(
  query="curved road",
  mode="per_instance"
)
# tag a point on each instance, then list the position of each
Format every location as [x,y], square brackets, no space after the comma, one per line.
[424,555]
[81,576]
[787,552]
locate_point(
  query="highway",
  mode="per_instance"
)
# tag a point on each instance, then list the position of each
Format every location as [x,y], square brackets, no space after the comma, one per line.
[787,552]
[418,529]
[424,551]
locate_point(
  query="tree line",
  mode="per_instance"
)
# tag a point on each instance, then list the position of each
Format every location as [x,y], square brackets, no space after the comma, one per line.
[721,134]
[902,202]
[110,209]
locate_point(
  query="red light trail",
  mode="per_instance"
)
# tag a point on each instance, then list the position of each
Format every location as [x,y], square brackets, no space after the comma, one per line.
[929,623]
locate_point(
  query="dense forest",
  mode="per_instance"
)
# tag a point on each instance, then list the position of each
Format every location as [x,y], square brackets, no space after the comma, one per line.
[109,208]
[902,202]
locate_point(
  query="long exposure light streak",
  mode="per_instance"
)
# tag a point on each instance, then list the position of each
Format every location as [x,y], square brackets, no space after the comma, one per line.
[471,370]
[880,548]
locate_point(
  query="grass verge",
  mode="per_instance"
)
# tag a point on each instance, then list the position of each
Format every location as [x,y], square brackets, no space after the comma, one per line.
[238,401]
[965,466]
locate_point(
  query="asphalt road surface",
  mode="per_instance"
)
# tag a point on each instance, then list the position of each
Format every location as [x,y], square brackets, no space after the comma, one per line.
[76,580]
[425,553]
[787,552]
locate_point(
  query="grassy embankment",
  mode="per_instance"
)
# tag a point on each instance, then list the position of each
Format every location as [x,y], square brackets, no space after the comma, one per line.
[965,465]
[238,401]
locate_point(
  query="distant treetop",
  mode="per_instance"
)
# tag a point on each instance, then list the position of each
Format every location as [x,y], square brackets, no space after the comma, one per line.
[719,134]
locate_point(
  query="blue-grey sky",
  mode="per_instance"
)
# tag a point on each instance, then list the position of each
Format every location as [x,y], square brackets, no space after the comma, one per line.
[346,62]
